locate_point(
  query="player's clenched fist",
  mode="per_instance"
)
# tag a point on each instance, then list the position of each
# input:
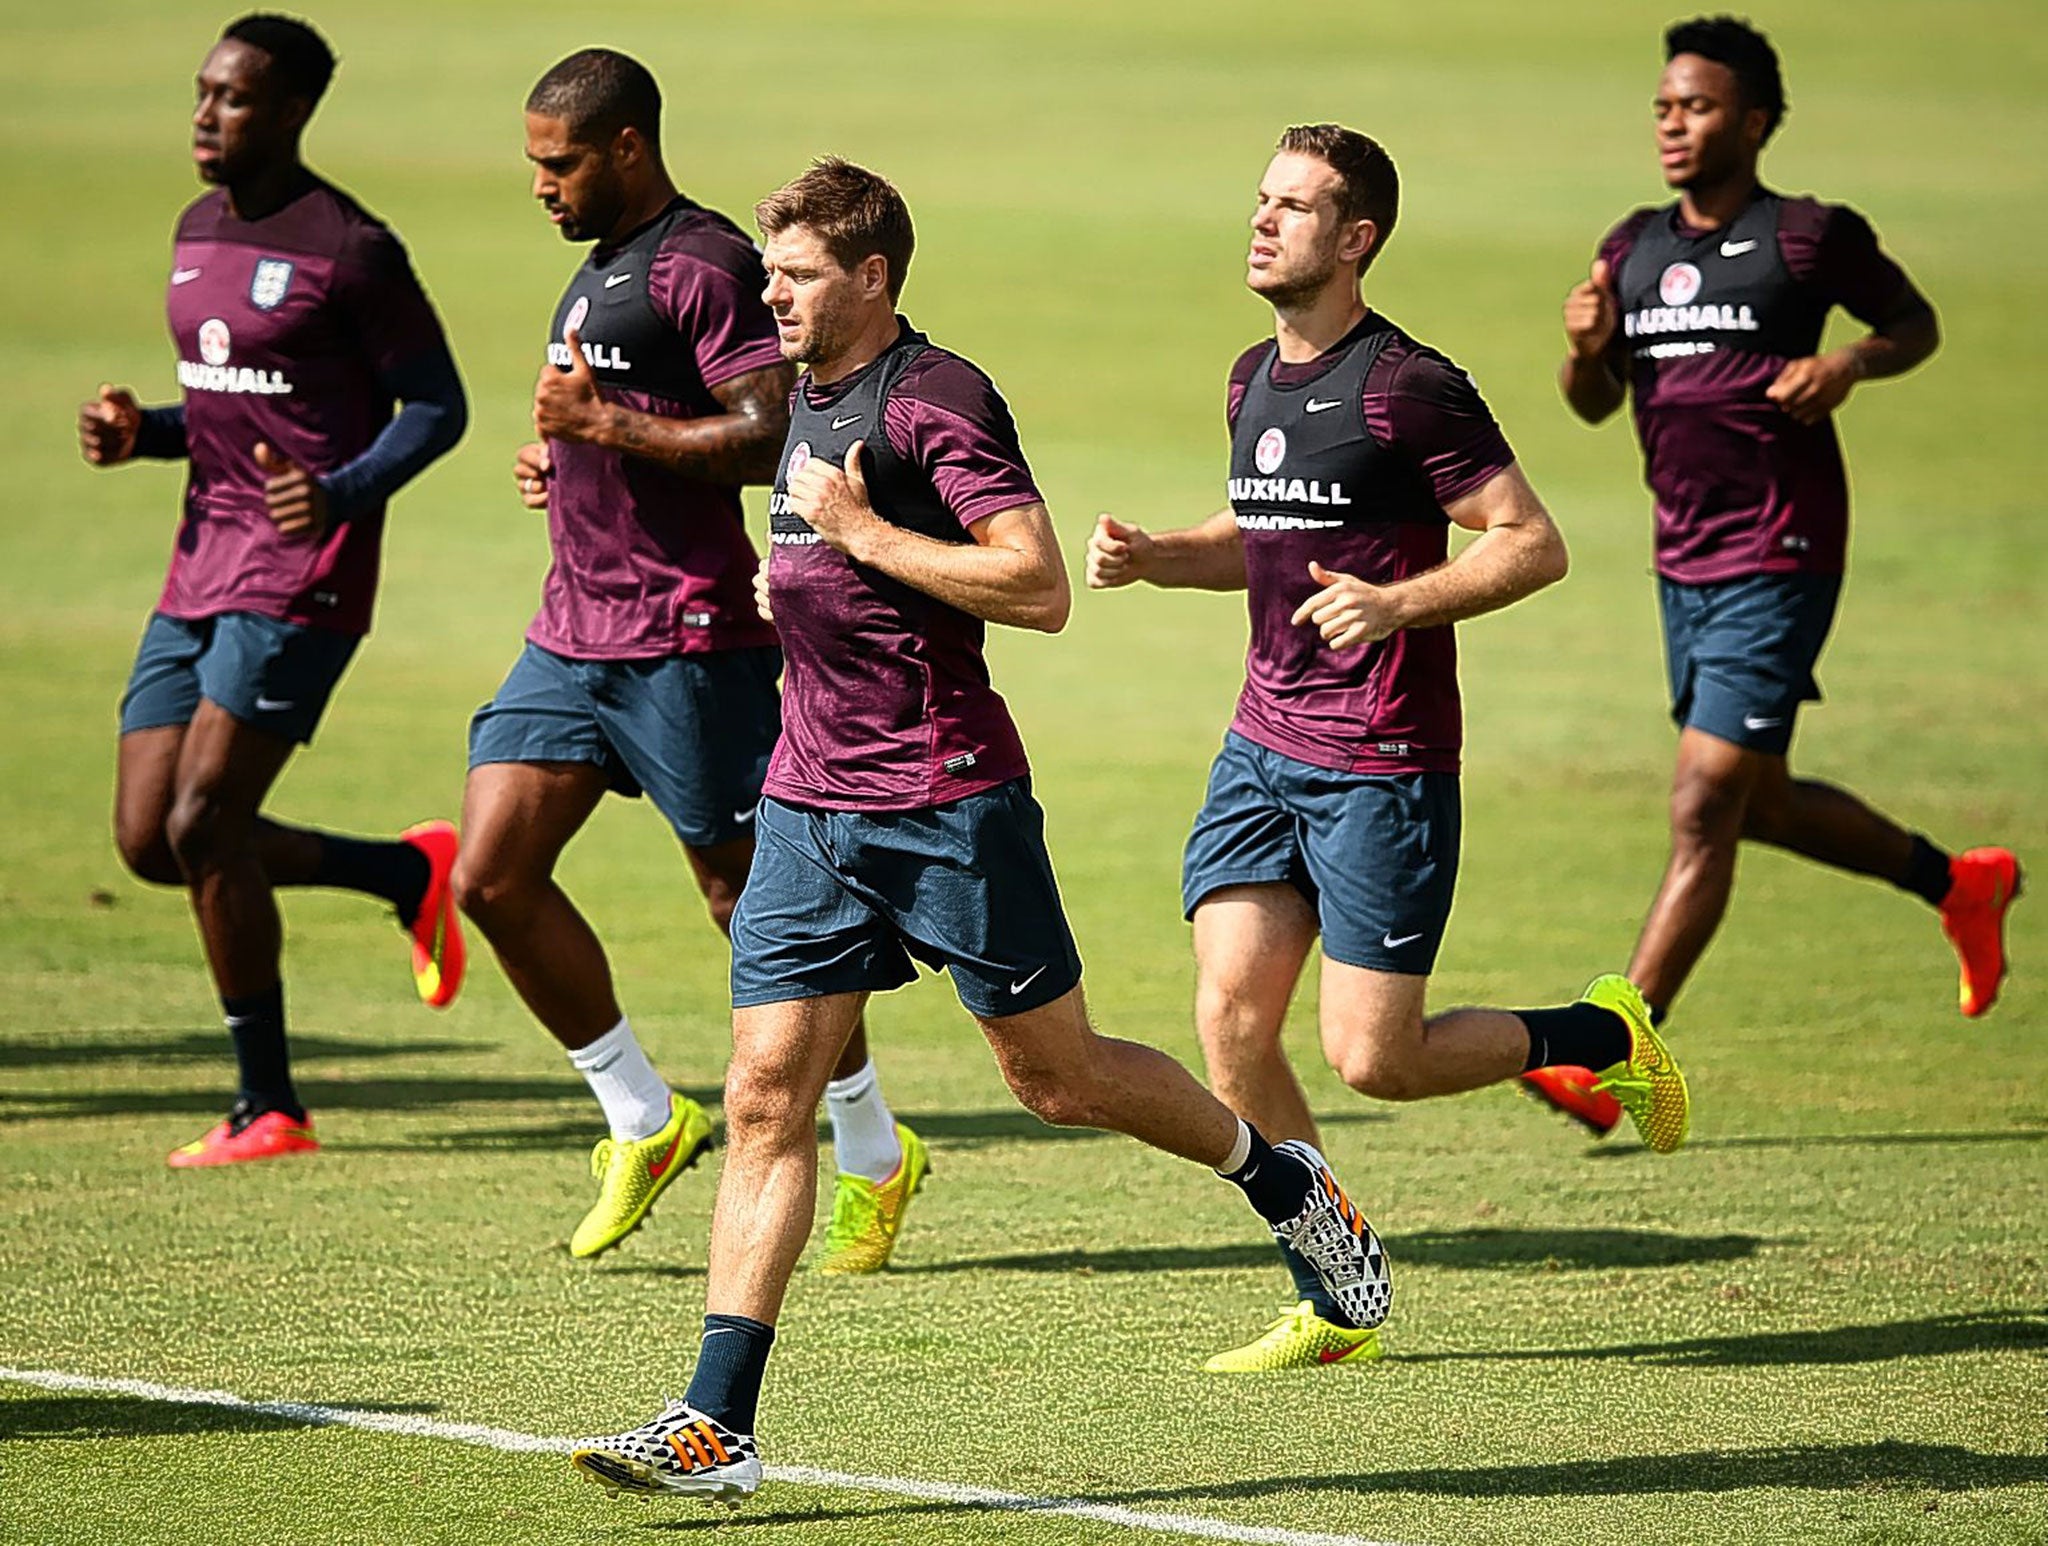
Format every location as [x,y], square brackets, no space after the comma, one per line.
[1348,610]
[1117,554]
[530,469]
[294,498]
[108,425]
[566,404]
[1812,388]
[761,602]
[833,501]
[1591,314]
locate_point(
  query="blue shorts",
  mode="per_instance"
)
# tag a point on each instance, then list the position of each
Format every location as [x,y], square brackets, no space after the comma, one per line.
[271,675]
[691,732]
[1376,854]
[841,902]
[1741,653]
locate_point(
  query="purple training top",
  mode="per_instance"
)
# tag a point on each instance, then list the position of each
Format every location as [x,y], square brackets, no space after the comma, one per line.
[649,562]
[1349,460]
[886,702]
[1709,319]
[283,327]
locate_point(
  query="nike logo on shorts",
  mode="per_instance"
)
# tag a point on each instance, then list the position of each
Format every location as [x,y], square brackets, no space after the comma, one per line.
[745,816]
[1758,722]
[1392,943]
[272,705]
[1022,984]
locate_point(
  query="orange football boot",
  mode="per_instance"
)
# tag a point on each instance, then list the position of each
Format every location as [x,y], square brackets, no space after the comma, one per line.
[242,1137]
[1570,1090]
[438,955]
[1982,885]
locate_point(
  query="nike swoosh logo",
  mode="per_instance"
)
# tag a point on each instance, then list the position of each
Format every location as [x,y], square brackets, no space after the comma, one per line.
[184,276]
[1736,249]
[656,1169]
[1755,722]
[1392,943]
[615,279]
[851,418]
[1330,1354]
[1019,987]
[1324,404]
[746,815]
[272,705]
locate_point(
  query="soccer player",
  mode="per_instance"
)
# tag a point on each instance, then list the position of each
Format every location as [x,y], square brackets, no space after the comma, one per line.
[648,667]
[298,324]
[1709,312]
[898,820]
[1333,808]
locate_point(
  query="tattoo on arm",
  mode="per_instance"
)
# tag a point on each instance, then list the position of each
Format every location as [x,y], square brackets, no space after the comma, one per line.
[740,445]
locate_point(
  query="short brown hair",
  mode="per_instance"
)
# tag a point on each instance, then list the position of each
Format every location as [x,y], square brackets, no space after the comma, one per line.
[1368,187]
[857,214]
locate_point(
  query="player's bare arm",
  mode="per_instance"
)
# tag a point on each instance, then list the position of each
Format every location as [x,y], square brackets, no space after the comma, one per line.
[1518,551]
[1587,377]
[1205,556]
[1812,388]
[1012,573]
[740,445]
[108,426]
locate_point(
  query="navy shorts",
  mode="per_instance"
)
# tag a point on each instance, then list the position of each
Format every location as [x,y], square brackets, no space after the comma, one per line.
[272,675]
[1741,653]
[842,901]
[691,732]
[1376,854]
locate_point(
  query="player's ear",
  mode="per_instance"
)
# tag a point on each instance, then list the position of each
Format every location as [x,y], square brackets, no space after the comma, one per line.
[874,274]
[628,146]
[1359,242]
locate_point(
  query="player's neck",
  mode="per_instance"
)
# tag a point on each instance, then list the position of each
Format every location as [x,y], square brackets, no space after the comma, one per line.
[650,201]
[1303,332]
[265,192]
[876,334]
[1709,206]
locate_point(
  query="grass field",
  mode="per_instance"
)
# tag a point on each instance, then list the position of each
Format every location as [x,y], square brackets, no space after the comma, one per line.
[1824,1321]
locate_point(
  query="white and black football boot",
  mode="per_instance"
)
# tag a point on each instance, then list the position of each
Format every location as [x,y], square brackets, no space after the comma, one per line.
[682,1451]
[1335,1239]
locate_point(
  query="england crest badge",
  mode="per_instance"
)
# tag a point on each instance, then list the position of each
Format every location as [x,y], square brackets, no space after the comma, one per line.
[273,277]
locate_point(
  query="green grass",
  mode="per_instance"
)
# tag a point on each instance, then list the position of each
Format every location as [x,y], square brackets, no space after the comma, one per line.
[1823,1321]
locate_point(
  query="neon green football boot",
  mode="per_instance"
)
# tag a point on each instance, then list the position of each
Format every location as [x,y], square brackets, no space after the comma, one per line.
[633,1172]
[1647,1082]
[868,1215]
[1299,1339]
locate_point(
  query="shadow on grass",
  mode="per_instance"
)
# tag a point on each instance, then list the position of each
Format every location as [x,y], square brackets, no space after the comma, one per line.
[1982,1331]
[209,1046]
[69,1417]
[1470,1249]
[418,1094]
[1836,1141]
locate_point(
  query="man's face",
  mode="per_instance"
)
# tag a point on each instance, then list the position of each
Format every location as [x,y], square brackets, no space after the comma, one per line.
[1297,234]
[1704,134]
[242,119]
[579,184]
[818,305]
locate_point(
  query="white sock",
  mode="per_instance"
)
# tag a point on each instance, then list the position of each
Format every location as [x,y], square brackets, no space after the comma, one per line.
[1240,1151]
[863,1128]
[635,1098]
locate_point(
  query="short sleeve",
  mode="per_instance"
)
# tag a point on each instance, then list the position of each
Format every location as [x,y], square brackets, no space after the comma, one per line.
[1435,415]
[953,423]
[386,313]
[720,312]
[1832,248]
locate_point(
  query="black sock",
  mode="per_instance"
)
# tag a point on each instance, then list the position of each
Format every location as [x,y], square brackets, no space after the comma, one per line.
[730,1363]
[1276,1184]
[1310,1287]
[256,1022]
[1575,1036]
[1927,873]
[396,871]
[1658,1016]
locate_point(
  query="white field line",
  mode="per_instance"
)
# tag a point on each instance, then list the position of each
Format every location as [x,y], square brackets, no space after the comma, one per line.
[505,1439]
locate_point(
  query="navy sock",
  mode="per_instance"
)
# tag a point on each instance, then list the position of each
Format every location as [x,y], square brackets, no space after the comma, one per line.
[256,1024]
[1575,1036]
[1310,1287]
[1658,1016]
[1275,1184]
[1927,873]
[396,871]
[730,1363]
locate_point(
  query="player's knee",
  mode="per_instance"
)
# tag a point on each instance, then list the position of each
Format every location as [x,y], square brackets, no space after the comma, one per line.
[1230,1025]
[147,854]
[759,1106]
[1058,1099]
[1379,1073]
[196,830]
[487,892]
[1706,812]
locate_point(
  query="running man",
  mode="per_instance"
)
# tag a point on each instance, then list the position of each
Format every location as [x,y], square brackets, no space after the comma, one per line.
[647,668]
[298,323]
[1334,807]
[1709,312]
[898,820]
